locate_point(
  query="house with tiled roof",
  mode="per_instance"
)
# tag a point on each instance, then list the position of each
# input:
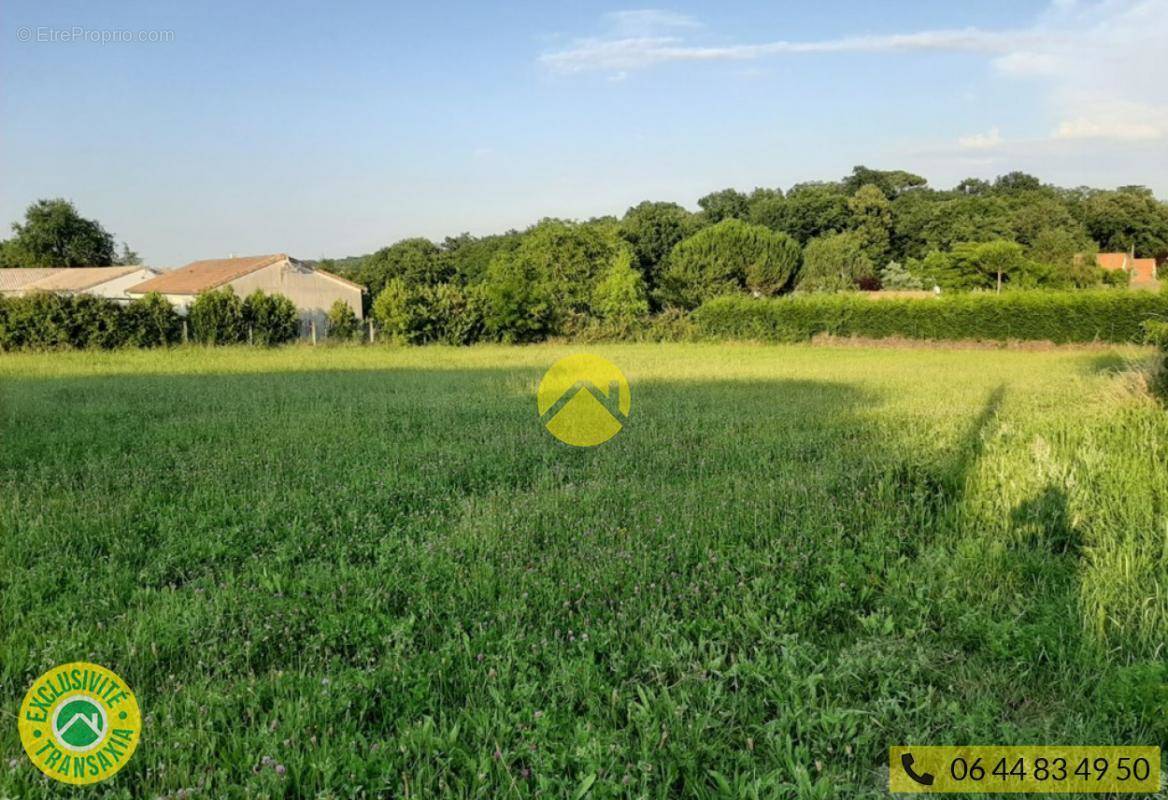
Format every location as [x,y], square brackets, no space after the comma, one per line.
[313,291]
[108,282]
[1142,270]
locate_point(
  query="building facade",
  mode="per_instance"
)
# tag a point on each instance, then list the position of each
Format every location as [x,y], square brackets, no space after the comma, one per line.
[313,291]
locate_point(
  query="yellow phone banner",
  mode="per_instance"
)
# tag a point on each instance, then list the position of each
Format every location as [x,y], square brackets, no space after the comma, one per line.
[1002,769]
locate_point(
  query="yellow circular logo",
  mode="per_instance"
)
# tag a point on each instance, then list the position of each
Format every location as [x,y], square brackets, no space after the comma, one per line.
[79,723]
[583,400]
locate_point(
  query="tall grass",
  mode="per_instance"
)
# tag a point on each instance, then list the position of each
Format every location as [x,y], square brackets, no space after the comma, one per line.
[373,567]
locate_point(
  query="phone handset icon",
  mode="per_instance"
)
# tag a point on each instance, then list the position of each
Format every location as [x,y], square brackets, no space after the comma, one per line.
[924,779]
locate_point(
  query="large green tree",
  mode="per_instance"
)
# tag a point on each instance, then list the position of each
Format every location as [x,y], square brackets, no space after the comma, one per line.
[724,204]
[872,220]
[980,265]
[53,234]
[652,230]
[727,258]
[467,257]
[1130,217]
[813,209]
[891,183]
[549,278]
[620,295]
[416,261]
[836,262]
[924,222]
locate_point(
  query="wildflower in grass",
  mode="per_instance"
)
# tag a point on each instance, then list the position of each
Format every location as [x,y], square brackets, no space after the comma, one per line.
[281,770]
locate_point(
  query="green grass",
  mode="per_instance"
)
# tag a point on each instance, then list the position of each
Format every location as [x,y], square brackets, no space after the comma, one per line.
[373,567]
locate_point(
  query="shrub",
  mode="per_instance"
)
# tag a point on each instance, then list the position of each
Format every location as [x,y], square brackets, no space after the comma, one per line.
[343,325]
[269,319]
[895,277]
[93,322]
[727,258]
[151,321]
[1156,332]
[216,317]
[1118,277]
[40,321]
[1072,316]
[444,313]
[451,314]
[394,308]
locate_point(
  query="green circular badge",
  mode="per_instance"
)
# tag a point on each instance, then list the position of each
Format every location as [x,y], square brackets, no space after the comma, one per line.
[79,723]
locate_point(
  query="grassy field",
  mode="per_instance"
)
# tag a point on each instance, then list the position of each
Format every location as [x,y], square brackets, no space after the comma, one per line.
[375,570]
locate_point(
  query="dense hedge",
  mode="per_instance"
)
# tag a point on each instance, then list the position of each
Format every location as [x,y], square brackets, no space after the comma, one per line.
[47,321]
[1072,316]
[44,321]
[218,316]
[1157,333]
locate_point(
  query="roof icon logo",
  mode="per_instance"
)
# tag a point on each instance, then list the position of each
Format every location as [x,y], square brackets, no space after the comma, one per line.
[583,400]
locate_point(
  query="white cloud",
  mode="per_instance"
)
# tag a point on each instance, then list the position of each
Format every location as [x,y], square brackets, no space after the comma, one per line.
[1103,63]
[1027,64]
[1128,129]
[638,52]
[647,20]
[981,141]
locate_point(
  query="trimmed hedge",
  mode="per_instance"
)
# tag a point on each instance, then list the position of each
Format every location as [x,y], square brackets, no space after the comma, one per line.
[218,316]
[1071,316]
[44,321]
[1157,334]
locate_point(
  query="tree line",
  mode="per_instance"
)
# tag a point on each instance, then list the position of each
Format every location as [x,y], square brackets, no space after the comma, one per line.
[873,229]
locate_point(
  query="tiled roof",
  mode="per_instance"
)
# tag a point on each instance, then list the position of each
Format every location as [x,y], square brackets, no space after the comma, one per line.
[78,279]
[199,276]
[12,280]
[1112,260]
[1143,270]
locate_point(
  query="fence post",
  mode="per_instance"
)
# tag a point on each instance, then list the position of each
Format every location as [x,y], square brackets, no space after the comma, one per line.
[250,336]
[312,323]
[185,337]
[370,331]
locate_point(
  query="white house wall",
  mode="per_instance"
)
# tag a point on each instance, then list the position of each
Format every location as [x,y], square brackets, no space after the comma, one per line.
[311,292]
[116,289]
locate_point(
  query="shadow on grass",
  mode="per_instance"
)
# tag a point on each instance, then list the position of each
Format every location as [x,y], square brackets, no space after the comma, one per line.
[1106,364]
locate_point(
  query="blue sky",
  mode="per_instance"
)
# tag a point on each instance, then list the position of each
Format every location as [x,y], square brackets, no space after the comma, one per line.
[324,129]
